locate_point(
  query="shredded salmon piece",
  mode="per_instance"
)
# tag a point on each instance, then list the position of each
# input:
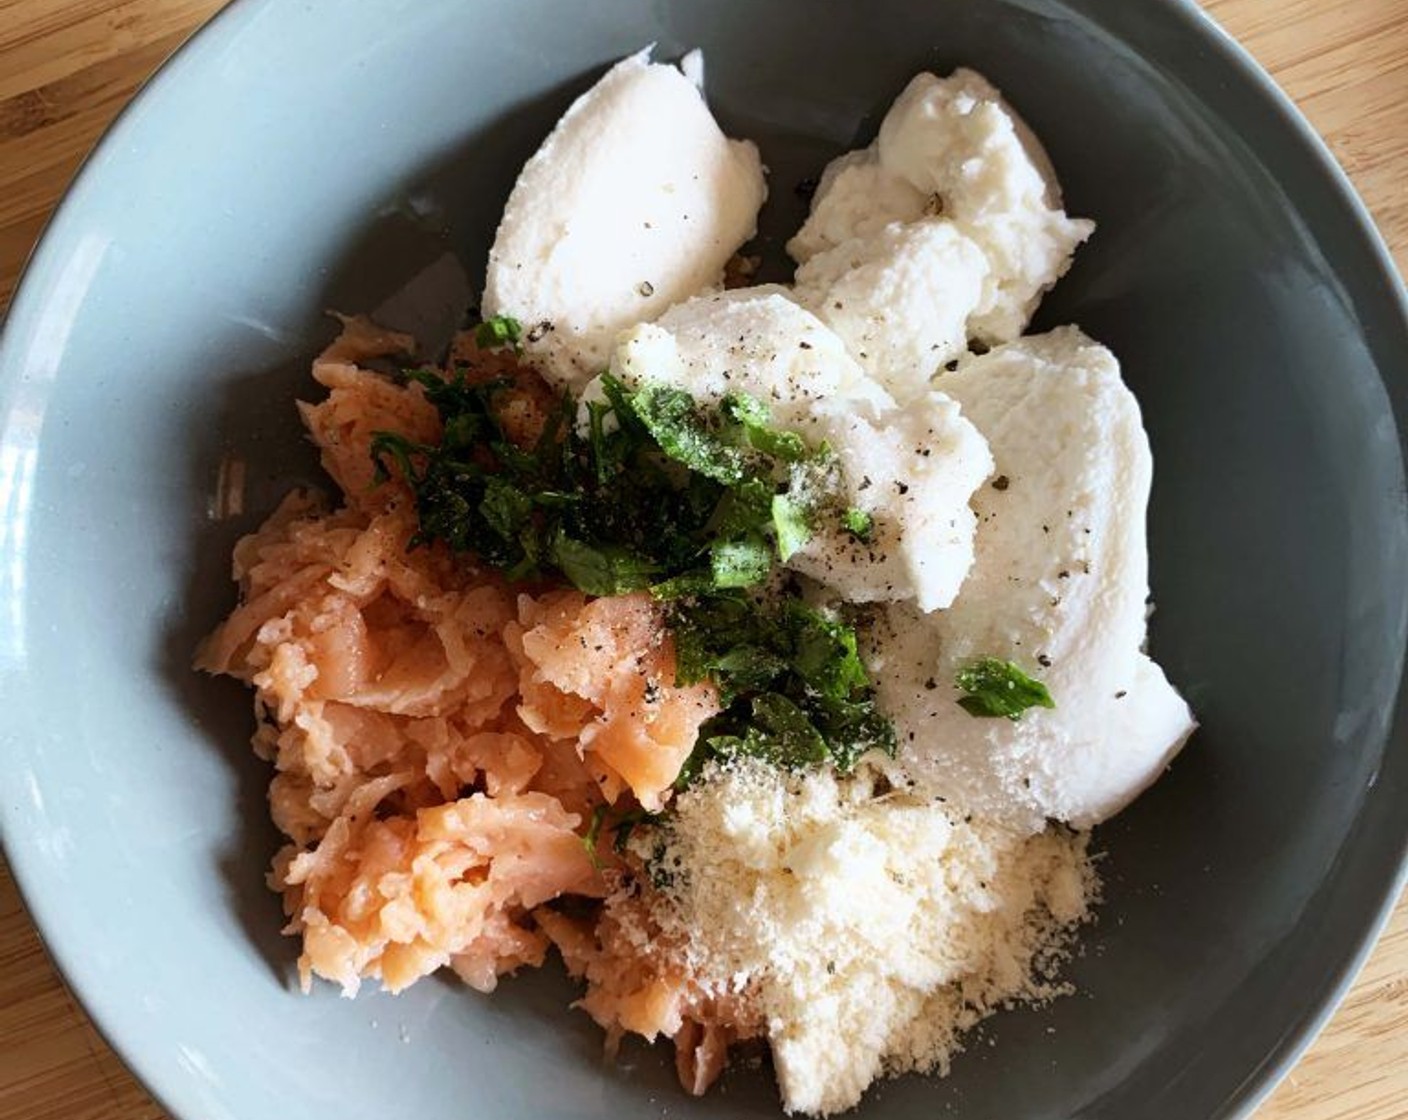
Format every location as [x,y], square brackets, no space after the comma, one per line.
[440,740]
[397,899]
[639,982]
[631,719]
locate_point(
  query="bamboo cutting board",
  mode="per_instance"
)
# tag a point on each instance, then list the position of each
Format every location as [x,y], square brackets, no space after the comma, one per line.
[68,66]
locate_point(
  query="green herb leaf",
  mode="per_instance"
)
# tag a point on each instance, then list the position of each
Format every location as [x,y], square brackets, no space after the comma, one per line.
[605,461]
[693,766]
[505,507]
[601,569]
[501,330]
[994,687]
[745,508]
[593,833]
[827,657]
[683,585]
[618,398]
[789,650]
[675,422]
[397,448]
[791,524]
[854,728]
[628,822]
[781,734]
[858,523]
[740,563]
[746,410]
[748,668]
[756,421]
[622,824]
[704,631]
[795,734]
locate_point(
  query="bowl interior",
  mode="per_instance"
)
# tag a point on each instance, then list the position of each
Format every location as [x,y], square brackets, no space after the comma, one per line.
[300,158]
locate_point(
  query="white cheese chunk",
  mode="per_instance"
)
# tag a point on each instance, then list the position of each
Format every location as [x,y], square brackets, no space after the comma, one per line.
[856,197]
[1058,585]
[952,149]
[751,340]
[956,137]
[912,470]
[633,203]
[900,299]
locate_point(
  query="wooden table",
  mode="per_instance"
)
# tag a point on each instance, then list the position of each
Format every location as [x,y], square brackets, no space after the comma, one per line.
[68,66]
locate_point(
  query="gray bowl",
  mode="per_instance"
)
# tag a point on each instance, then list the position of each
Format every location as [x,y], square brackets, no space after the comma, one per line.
[300,157]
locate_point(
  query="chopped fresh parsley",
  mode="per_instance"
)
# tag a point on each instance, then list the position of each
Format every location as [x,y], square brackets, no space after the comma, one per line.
[622,824]
[501,330]
[993,687]
[753,417]
[590,837]
[776,731]
[790,525]
[646,488]
[794,690]
[600,569]
[858,523]
[679,426]
[652,490]
[743,562]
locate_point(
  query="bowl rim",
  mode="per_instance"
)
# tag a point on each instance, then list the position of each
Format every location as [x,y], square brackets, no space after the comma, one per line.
[1189,18]
[1262,1080]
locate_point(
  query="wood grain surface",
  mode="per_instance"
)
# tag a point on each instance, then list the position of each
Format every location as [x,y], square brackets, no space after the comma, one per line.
[68,66]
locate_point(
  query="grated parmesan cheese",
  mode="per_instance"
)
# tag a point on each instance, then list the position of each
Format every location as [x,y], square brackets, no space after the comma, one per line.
[871,927]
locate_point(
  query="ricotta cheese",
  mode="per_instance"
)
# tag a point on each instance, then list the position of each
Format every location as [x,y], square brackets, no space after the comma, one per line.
[633,203]
[856,197]
[951,150]
[1059,585]
[751,340]
[900,299]
[912,469]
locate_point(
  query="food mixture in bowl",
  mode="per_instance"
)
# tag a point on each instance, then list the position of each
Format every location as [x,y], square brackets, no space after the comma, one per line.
[768,651]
